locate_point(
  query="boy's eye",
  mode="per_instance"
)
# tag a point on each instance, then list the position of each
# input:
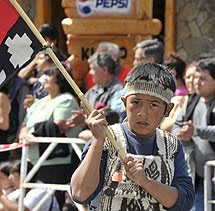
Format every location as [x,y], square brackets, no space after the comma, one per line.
[135,102]
[153,105]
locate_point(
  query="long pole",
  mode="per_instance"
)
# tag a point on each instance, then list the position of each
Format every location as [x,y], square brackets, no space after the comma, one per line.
[170,38]
[23,173]
[64,72]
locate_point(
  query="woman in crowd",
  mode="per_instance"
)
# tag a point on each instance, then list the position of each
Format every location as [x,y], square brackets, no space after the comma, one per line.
[180,101]
[48,117]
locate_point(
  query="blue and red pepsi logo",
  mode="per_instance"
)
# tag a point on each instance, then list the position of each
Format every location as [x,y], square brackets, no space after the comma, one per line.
[88,7]
[85,7]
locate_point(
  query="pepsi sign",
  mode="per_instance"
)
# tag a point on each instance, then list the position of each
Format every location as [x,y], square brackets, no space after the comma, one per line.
[89,7]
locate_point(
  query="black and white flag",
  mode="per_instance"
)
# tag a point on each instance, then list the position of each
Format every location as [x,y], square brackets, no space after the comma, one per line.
[18,44]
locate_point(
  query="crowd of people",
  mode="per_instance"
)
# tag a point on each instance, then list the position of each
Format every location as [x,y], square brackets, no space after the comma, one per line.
[143,107]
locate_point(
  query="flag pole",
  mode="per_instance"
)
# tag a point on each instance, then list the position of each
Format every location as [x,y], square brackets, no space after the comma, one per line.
[64,72]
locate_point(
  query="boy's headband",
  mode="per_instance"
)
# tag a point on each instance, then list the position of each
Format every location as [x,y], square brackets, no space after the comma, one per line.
[149,88]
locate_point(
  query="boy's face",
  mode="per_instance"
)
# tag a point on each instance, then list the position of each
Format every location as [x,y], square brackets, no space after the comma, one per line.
[145,113]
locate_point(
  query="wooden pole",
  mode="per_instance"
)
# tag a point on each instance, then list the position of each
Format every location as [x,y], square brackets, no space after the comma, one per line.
[147,9]
[43,9]
[170,8]
[65,73]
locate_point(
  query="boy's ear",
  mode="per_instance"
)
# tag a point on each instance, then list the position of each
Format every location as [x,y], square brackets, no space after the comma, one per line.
[168,109]
[123,100]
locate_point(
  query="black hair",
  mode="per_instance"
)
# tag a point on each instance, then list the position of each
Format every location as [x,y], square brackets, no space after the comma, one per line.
[57,53]
[16,167]
[152,48]
[47,30]
[8,86]
[60,79]
[157,73]
[178,64]
[207,64]
[5,167]
[103,59]
[111,116]
[4,89]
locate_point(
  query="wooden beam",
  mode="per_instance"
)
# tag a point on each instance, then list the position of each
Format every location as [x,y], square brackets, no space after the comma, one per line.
[80,26]
[146,8]
[170,38]
[43,12]
[67,3]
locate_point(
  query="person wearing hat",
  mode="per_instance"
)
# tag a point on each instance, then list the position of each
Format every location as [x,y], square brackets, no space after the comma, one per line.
[153,175]
[147,51]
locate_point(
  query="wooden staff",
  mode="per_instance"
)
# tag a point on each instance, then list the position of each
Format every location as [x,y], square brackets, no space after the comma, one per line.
[65,73]
[170,38]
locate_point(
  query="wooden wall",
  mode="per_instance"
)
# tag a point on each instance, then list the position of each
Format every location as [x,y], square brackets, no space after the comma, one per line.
[84,33]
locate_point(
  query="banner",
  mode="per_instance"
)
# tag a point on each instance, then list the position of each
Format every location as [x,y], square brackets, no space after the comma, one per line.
[18,44]
[9,147]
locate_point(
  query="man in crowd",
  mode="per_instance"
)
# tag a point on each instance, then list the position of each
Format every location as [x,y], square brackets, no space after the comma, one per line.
[103,71]
[148,51]
[197,124]
[113,50]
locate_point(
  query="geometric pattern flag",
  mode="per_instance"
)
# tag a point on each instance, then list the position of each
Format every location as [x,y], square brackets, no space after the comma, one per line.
[18,44]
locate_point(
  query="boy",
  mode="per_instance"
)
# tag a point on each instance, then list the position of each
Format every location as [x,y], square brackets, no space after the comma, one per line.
[153,175]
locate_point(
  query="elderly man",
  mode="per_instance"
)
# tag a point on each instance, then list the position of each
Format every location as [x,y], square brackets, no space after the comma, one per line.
[103,69]
[148,51]
[113,50]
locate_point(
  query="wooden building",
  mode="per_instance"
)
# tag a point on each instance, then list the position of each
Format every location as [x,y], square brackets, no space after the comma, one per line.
[81,30]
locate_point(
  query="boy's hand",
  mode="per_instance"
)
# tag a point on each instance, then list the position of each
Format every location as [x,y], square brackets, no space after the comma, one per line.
[96,122]
[134,170]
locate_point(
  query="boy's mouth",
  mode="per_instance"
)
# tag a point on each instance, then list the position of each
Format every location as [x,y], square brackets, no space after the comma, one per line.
[142,124]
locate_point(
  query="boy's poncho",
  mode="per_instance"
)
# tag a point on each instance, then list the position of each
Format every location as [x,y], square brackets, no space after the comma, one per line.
[126,195]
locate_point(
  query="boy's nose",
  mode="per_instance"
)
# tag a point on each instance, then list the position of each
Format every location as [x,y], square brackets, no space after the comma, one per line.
[143,111]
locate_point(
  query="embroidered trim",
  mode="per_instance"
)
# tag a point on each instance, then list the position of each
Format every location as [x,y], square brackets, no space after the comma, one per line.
[124,194]
[150,88]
